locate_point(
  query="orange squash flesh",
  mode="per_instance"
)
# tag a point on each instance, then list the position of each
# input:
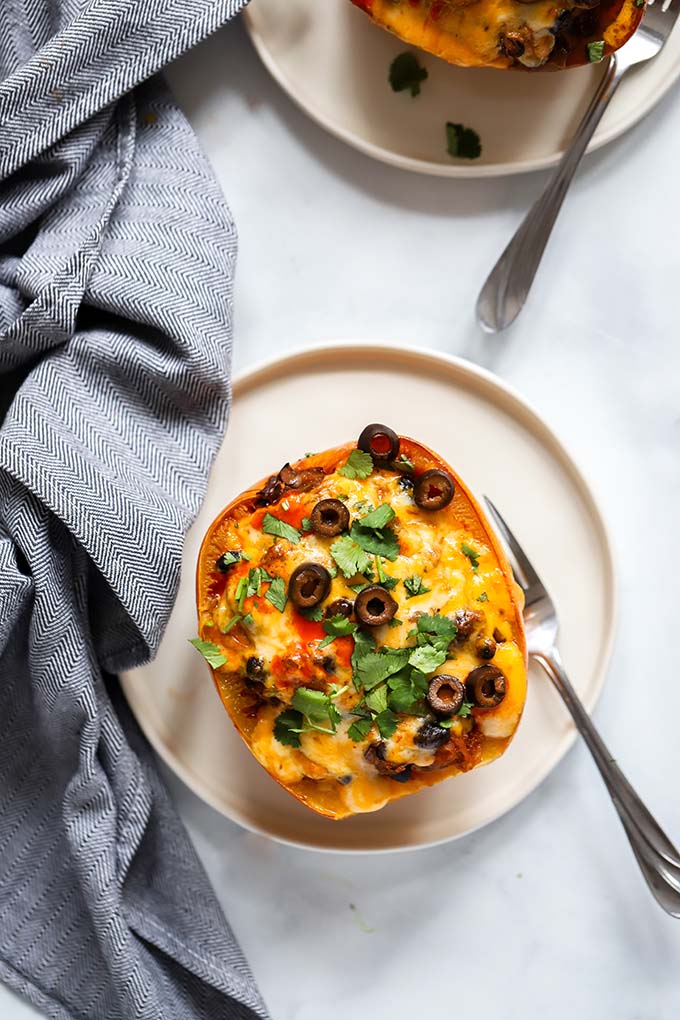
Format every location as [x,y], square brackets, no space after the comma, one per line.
[288,643]
[543,35]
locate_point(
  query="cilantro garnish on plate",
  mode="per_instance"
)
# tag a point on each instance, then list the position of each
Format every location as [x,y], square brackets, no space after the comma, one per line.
[407,73]
[462,142]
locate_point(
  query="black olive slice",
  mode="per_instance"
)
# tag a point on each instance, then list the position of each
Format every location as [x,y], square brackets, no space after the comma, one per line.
[433,490]
[381,442]
[255,668]
[329,517]
[445,694]
[341,607]
[289,478]
[486,648]
[309,584]
[465,620]
[302,480]
[374,606]
[430,736]
[486,686]
[375,754]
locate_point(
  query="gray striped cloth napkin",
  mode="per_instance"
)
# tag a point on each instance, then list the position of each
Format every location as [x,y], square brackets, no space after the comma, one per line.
[116,264]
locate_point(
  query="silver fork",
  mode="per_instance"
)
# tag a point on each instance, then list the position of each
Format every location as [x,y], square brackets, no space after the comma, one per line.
[502,297]
[658,859]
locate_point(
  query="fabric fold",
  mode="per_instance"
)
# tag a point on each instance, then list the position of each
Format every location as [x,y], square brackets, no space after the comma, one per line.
[117,256]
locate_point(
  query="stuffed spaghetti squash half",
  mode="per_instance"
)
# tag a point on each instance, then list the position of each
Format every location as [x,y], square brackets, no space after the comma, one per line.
[537,34]
[362,625]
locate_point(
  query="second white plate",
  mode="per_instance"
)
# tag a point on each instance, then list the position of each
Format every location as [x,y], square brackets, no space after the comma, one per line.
[334,63]
[502,448]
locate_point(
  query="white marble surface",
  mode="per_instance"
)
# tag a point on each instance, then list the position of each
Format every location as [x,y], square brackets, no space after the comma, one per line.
[544,911]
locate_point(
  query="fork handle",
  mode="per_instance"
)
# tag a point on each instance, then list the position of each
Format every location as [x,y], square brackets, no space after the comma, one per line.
[503,295]
[658,859]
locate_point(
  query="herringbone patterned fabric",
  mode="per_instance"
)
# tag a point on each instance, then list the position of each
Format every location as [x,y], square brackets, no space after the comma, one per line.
[116,265]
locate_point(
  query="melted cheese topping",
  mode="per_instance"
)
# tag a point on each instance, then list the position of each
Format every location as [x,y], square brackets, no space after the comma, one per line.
[430,545]
[498,33]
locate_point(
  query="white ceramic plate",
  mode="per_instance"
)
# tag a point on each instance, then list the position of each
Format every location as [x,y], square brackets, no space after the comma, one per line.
[320,398]
[334,63]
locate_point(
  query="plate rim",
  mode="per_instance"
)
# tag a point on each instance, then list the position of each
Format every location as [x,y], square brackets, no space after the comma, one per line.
[327,349]
[455,171]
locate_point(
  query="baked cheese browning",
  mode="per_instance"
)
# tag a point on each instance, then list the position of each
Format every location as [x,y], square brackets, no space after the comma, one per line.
[506,33]
[369,630]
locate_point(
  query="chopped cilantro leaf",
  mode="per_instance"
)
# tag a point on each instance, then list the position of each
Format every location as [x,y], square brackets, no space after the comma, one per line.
[437,629]
[471,554]
[350,556]
[382,542]
[427,658]
[306,524]
[241,592]
[404,462]
[232,623]
[483,597]
[313,704]
[406,73]
[212,654]
[249,620]
[317,707]
[358,465]
[337,626]
[595,51]
[276,594]
[227,559]
[387,723]
[377,699]
[407,689]
[315,614]
[372,668]
[273,526]
[462,713]
[414,586]
[359,730]
[287,727]
[363,644]
[378,518]
[394,622]
[256,575]
[462,142]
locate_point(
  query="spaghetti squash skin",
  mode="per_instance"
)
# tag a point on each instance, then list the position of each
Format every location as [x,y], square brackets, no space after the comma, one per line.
[338,710]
